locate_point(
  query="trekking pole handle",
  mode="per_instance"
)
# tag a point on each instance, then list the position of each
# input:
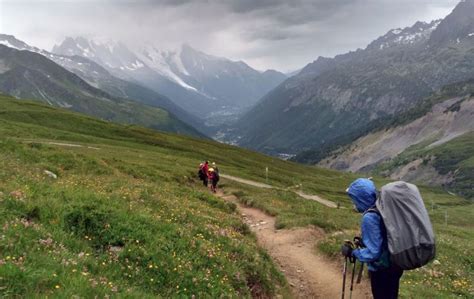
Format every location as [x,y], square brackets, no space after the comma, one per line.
[358,242]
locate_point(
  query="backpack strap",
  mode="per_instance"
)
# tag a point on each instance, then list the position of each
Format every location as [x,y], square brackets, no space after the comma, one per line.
[372,210]
[384,261]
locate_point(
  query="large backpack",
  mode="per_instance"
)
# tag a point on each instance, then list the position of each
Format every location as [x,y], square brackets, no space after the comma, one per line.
[201,174]
[411,240]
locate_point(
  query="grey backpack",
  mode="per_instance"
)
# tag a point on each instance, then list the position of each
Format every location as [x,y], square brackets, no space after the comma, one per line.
[411,240]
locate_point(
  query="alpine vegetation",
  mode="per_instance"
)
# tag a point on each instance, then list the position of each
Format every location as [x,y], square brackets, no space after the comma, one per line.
[227,149]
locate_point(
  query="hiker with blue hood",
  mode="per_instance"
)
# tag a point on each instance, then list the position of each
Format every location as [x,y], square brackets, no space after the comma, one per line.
[384,276]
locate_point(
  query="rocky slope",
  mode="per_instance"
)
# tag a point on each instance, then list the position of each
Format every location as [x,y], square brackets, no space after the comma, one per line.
[446,121]
[333,101]
[449,164]
[432,145]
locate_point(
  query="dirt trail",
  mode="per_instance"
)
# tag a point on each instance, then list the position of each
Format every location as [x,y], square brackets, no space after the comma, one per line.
[247,182]
[309,274]
[317,198]
[325,202]
[71,145]
[62,144]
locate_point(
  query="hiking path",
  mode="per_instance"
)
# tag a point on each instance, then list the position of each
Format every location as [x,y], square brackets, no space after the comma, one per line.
[317,198]
[309,274]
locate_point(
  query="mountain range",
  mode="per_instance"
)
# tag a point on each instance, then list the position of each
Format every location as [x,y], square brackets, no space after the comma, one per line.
[99,77]
[314,114]
[30,75]
[203,91]
[332,101]
[206,86]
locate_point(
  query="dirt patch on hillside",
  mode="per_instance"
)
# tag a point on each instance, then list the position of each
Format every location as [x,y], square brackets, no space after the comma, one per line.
[419,171]
[317,198]
[438,126]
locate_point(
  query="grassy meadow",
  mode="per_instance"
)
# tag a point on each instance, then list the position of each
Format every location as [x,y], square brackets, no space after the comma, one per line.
[451,276]
[127,218]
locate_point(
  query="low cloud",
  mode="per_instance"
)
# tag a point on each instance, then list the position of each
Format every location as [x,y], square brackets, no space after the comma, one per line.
[280,34]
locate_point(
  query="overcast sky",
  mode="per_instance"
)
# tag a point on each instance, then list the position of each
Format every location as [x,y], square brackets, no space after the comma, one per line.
[279,34]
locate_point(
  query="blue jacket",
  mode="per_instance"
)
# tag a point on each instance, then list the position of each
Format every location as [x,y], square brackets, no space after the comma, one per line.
[374,236]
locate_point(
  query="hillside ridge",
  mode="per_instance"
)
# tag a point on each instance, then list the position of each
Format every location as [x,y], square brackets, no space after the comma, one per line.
[333,101]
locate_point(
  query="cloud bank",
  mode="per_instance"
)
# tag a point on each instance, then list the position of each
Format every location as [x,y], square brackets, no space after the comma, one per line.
[278,34]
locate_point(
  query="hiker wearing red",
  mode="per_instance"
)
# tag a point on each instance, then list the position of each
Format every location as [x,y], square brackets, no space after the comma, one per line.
[205,167]
[204,173]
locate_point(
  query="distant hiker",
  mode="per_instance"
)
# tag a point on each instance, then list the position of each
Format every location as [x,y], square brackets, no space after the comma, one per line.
[214,165]
[205,167]
[384,276]
[203,173]
[214,178]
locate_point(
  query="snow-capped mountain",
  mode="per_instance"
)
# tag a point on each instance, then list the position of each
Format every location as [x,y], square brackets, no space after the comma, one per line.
[31,75]
[12,42]
[166,63]
[68,62]
[98,77]
[128,65]
[87,69]
[202,84]
[107,52]
[233,82]
[419,32]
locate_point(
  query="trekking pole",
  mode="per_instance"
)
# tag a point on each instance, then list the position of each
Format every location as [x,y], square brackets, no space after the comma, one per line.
[344,277]
[352,277]
[359,275]
[359,244]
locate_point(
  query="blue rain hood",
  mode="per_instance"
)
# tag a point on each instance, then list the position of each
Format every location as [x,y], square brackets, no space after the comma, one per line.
[363,194]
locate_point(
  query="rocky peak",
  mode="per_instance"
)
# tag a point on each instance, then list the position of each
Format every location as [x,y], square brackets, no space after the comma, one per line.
[108,53]
[74,46]
[12,42]
[418,33]
[319,66]
[458,25]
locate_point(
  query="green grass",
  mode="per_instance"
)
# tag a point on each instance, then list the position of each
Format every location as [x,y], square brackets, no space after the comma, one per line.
[455,239]
[173,239]
[128,219]
[135,194]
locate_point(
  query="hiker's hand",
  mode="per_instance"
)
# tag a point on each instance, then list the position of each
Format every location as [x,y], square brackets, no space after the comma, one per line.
[346,249]
[358,242]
